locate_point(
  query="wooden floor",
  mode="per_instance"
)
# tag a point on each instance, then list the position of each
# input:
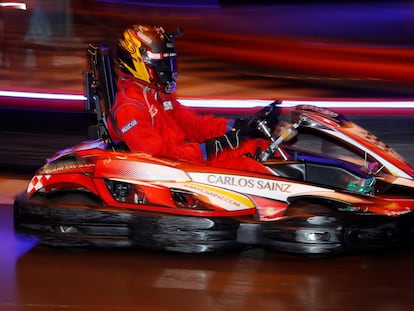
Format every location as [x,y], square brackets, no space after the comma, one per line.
[35,278]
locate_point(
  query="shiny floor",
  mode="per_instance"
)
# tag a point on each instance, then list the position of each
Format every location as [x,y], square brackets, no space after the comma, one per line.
[35,277]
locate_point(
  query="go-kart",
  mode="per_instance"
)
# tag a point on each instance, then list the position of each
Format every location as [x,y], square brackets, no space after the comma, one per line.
[100,194]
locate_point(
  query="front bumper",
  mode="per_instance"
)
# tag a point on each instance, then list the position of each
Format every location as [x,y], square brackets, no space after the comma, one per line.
[329,234]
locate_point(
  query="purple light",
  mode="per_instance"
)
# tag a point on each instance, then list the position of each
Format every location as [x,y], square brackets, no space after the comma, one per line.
[206,4]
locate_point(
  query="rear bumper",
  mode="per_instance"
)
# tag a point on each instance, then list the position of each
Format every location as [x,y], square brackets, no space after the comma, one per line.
[83,226]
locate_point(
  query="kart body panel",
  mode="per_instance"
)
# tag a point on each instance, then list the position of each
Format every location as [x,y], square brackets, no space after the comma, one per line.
[91,195]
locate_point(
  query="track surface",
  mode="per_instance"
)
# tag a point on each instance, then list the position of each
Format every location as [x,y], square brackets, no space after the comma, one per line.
[37,278]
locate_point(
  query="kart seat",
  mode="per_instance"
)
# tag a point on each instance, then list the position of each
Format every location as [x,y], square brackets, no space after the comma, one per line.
[100,89]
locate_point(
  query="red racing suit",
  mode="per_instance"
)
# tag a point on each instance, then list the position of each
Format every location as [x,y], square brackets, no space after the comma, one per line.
[154,122]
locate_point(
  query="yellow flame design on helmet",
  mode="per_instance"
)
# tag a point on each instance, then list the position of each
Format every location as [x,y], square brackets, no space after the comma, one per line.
[131,43]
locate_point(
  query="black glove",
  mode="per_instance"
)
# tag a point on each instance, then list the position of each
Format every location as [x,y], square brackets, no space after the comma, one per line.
[244,128]
[270,114]
[249,127]
[230,140]
[273,114]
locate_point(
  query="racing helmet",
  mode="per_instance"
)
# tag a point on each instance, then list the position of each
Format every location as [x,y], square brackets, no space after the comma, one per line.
[148,53]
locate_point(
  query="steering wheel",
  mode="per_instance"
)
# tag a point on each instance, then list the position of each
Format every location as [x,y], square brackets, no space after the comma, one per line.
[270,114]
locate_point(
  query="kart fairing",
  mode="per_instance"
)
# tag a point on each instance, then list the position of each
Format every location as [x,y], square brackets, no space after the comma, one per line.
[91,195]
[331,134]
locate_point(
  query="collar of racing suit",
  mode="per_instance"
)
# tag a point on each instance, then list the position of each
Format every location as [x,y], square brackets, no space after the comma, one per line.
[147,89]
[145,86]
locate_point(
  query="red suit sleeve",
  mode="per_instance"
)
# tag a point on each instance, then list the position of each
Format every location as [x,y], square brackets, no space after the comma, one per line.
[197,127]
[176,134]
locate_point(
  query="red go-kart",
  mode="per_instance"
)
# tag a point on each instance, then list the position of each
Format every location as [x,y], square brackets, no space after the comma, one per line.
[100,194]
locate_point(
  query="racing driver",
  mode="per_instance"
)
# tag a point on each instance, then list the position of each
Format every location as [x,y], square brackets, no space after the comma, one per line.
[148,118]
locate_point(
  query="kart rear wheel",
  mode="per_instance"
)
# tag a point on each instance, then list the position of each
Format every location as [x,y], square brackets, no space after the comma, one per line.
[64,231]
[69,219]
[57,221]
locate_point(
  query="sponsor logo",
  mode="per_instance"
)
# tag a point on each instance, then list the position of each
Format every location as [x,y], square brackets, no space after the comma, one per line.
[129,126]
[397,213]
[168,105]
[153,111]
[65,165]
[213,194]
[250,183]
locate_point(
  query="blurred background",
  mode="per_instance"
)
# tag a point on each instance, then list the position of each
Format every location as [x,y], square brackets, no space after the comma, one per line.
[230,49]
[284,49]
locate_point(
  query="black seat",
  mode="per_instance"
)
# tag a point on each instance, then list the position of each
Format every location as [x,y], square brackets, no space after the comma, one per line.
[100,89]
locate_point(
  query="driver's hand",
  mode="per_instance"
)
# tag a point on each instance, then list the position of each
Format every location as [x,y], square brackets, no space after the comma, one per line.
[246,129]
[229,141]
[249,127]
[271,114]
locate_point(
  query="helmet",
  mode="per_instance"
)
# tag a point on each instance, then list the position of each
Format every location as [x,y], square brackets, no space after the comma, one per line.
[148,53]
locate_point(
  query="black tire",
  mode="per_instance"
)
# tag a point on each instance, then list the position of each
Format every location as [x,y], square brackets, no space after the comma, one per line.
[307,228]
[57,221]
[53,220]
